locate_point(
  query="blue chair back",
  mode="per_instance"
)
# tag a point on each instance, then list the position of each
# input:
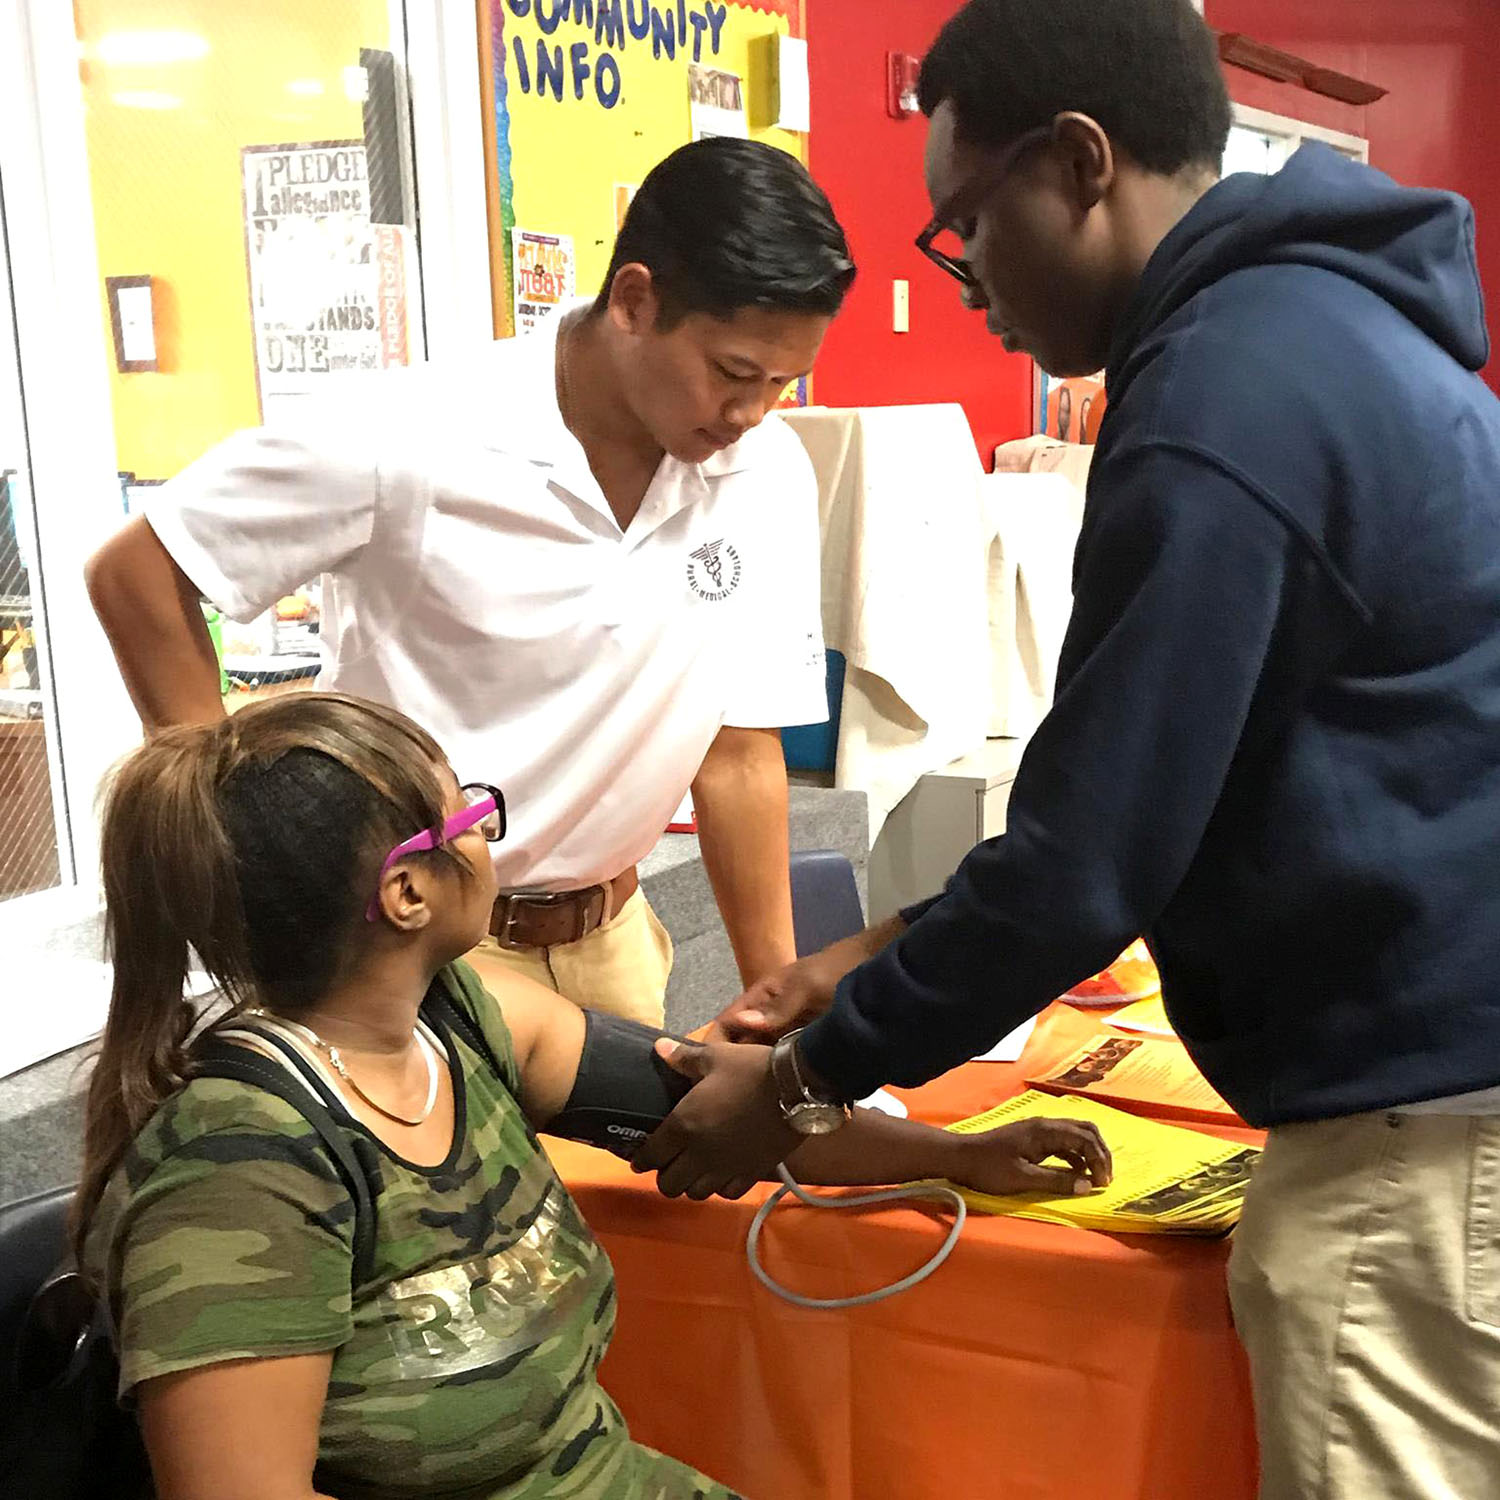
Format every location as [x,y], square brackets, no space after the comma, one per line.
[825,899]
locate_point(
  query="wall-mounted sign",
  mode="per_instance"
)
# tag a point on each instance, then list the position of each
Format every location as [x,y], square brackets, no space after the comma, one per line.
[542,275]
[133,323]
[327,287]
[716,103]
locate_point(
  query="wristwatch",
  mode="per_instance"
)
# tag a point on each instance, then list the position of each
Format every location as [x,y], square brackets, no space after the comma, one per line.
[806,1111]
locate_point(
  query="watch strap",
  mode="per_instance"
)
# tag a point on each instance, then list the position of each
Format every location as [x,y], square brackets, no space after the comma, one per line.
[791,1081]
[785,1074]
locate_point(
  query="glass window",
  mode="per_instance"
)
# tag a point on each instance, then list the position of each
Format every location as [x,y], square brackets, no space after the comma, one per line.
[1263,143]
[1251,151]
[247,181]
[32,838]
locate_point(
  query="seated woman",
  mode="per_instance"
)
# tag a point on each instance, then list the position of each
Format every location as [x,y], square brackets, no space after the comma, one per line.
[319,856]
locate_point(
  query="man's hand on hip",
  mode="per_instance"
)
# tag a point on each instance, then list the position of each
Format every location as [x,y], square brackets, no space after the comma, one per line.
[801,991]
[725,1135]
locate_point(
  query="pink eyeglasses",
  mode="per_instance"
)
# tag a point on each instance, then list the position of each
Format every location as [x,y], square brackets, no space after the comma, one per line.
[484,809]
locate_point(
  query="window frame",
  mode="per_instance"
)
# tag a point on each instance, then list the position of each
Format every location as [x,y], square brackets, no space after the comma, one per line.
[1294,133]
[64,353]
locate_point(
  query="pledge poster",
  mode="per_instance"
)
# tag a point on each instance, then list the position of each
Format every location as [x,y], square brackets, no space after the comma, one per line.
[327,287]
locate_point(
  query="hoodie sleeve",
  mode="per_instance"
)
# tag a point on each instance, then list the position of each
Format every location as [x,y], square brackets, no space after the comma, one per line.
[1200,612]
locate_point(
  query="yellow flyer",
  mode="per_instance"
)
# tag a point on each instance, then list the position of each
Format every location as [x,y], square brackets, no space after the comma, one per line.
[1167,1180]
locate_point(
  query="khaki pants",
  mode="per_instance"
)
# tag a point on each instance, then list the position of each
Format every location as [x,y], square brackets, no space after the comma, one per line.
[621,967]
[1365,1281]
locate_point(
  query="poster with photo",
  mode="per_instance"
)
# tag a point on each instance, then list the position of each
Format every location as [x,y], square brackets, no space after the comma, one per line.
[542,276]
[1069,410]
[327,287]
[716,103]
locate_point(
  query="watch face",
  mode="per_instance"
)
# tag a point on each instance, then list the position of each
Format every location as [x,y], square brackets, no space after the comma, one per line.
[816,1119]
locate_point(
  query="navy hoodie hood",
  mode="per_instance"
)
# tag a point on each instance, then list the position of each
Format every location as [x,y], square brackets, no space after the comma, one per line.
[1274,747]
[1412,247]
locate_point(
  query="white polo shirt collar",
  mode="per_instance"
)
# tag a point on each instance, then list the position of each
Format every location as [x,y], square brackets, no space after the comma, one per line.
[542,438]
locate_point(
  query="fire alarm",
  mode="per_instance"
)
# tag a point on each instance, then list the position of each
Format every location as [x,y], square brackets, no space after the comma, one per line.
[901,73]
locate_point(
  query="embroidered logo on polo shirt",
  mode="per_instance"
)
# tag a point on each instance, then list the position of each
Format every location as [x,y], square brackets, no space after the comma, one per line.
[714,570]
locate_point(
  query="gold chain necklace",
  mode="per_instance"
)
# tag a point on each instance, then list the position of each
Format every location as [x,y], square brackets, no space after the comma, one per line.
[336,1060]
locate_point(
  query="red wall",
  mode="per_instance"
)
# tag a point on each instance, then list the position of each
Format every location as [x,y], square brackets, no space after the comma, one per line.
[1439,126]
[871,167]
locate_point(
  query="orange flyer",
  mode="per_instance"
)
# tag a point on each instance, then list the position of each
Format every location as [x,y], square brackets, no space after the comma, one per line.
[1132,976]
[1151,1075]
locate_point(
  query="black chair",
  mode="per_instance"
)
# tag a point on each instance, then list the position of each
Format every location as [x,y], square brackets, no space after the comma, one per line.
[33,1233]
[62,1435]
[825,899]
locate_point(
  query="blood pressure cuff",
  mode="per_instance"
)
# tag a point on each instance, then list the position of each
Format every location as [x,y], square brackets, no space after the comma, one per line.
[623,1090]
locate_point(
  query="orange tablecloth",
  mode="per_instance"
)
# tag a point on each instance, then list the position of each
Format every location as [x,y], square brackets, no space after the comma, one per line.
[1039,1361]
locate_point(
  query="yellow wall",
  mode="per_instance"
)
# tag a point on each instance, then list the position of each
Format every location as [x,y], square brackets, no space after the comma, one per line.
[568,154]
[167,184]
[167,194]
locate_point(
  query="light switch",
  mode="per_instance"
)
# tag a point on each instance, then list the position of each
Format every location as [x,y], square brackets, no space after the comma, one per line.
[901,307]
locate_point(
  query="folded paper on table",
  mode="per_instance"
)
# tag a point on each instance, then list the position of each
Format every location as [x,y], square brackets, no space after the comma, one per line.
[1149,1017]
[1154,1073]
[1167,1180]
[1010,1047]
[887,1103]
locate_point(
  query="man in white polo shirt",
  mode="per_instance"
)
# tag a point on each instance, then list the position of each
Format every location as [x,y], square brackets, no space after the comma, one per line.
[578,558]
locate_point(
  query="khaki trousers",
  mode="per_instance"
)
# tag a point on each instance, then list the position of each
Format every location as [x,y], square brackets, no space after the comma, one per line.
[621,967]
[1365,1281]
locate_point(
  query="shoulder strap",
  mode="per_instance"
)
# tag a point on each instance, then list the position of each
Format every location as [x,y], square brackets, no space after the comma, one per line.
[444,1006]
[218,1058]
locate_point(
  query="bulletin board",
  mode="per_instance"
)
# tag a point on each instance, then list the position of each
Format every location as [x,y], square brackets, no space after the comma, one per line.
[586,96]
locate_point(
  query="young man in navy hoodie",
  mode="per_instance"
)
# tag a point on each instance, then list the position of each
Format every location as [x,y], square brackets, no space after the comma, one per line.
[1275,746]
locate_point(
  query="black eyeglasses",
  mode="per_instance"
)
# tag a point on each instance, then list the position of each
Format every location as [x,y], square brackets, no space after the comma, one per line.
[979,187]
[484,809]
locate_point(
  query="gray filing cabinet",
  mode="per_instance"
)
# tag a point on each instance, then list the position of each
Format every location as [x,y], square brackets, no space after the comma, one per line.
[943,816]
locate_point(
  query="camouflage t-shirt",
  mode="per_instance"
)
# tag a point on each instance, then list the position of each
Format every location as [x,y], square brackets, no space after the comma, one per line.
[465,1368]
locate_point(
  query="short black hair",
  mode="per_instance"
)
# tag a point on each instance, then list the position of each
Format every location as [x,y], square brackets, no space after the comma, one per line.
[1147,70]
[725,224]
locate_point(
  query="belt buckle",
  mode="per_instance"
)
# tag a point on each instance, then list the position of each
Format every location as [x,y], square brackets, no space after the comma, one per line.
[518,901]
[515,903]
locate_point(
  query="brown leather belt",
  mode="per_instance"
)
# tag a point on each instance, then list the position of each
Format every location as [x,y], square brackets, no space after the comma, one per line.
[543,919]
